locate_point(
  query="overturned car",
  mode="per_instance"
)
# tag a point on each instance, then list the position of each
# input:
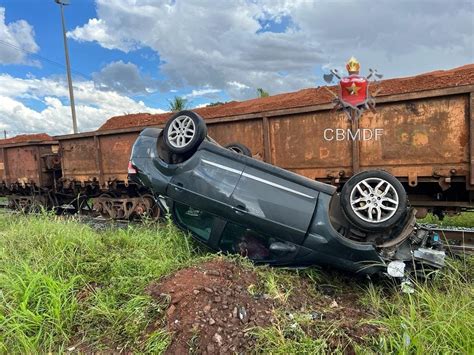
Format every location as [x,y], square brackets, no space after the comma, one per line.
[236,204]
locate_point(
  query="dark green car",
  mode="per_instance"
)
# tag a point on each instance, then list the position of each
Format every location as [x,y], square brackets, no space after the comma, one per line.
[237,204]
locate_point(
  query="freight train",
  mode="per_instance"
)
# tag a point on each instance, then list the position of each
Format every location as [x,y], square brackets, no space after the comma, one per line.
[425,137]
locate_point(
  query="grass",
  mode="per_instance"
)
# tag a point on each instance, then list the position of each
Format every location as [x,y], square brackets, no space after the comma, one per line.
[48,266]
[65,285]
[438,318]
[465,219]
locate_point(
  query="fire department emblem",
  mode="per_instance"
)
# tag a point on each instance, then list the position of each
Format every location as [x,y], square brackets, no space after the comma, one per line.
[353,91]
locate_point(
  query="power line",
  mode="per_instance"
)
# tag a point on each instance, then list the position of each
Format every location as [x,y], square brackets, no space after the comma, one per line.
[88,77]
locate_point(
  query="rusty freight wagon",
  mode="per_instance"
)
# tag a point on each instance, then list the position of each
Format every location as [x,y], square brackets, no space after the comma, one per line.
[29,171]
[94,165]
[422,132]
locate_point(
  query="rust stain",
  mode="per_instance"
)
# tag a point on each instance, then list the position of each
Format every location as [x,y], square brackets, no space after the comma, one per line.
[420,139]
[323,153]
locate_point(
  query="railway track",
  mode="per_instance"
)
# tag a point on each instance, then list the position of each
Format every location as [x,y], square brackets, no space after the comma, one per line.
[458,240]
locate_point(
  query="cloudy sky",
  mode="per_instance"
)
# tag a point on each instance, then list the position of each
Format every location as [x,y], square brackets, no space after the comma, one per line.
[135,55]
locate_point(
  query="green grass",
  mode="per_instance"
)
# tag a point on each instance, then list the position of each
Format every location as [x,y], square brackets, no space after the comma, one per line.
[465,219]
[63,284]
[438,318]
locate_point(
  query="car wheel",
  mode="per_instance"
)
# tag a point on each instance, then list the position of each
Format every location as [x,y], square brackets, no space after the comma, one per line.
[239,148]
[374,200]
[184,132]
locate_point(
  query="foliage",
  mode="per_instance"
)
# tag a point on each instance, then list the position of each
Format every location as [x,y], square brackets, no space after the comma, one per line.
[465,219]
[217,103]
[63,284]
[178,104]
[437,318]
[262,93]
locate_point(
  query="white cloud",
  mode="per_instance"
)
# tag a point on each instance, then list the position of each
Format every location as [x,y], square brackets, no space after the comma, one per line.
[202,105]
[93,106]
[124,78]
[204,43]
[17,39]
[202,93]
[97,30]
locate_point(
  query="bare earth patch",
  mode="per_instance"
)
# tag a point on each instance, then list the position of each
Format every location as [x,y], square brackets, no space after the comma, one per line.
[213,306]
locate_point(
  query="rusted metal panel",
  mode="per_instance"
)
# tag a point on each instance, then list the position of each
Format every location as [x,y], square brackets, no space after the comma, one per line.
[355,144]
[3,169]
[267,153]
[25,164]
[115,154]
[471,140]
[418,138]
[78,159]
[249,133]
[303,142]
[425,132]
[101,158]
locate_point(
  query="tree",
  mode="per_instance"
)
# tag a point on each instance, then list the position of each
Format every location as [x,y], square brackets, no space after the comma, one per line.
[178,104]
[262,93]
[217,103]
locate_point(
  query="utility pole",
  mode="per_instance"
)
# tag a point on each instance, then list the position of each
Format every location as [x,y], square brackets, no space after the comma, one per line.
[5,133]
[61,4]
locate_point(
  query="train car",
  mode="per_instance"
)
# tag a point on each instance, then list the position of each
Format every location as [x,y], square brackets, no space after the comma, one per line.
[422,132]
[94,165]
[30,171]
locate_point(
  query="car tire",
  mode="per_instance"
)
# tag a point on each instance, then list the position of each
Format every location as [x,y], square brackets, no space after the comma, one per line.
[374,200]
[239,148]
[184,132]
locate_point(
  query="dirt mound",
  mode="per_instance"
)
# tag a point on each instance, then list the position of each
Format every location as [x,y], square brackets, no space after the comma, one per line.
[25,138]
[308,97]
[213,306]
[212,300]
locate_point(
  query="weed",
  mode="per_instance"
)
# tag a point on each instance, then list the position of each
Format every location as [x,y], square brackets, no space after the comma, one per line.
[62,282]
[465,219]
[437,318]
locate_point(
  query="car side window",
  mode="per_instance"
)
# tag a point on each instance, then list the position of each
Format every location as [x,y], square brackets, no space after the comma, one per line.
[256,246]
[197,221]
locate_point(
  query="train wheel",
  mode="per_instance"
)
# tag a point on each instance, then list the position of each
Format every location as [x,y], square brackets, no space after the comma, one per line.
[149,208]
[374,200]
[104,207]
[239,148]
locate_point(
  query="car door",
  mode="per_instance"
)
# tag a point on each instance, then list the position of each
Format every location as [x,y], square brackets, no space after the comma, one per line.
[257,246]
[206,181]
[271,200]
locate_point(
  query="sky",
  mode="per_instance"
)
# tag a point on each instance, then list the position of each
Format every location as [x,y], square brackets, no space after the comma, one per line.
[131,56]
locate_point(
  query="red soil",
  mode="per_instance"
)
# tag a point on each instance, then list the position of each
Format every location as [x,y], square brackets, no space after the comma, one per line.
[211,310]
[26,138]
[212,301]
[307,97]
